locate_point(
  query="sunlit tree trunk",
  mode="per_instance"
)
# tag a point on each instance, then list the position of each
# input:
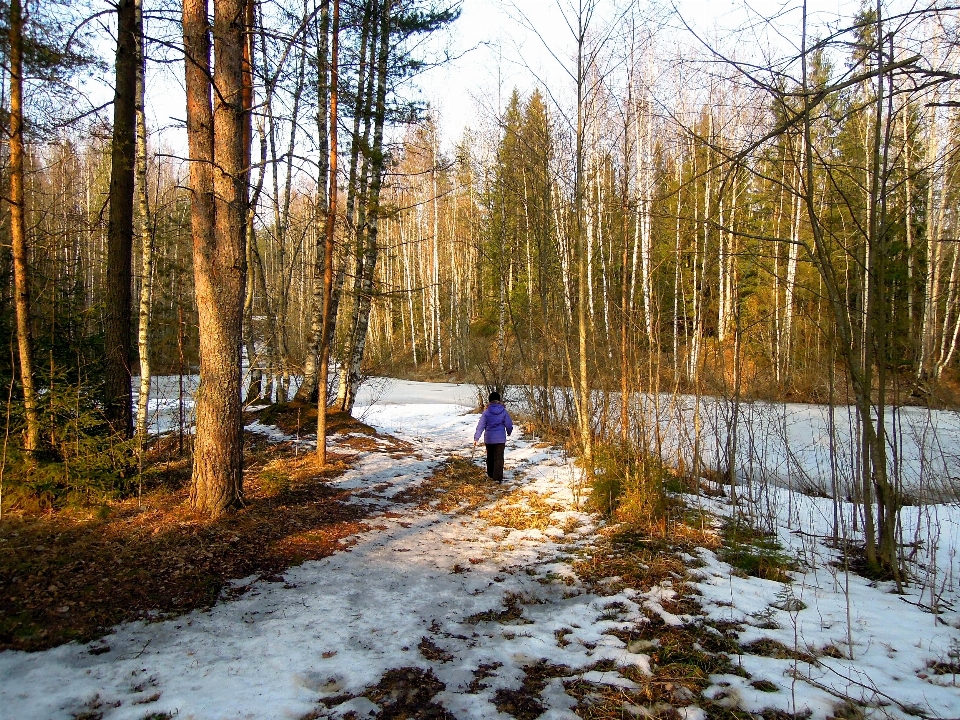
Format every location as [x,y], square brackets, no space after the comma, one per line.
[255,388]
[219,184]
[357,196]
[786,341]
[934,224]
[146,235]
[582,244]
[331,225]
[18,232]
[372,213]
[309,388]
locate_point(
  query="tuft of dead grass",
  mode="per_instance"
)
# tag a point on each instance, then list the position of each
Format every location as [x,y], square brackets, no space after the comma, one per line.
[768,647]
[406,692]
[603,702]
[523,510]
[457,485]
[753,552]
[512,614]
[637,558]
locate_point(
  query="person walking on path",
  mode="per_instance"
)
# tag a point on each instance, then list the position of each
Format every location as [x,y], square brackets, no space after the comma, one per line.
[495,424]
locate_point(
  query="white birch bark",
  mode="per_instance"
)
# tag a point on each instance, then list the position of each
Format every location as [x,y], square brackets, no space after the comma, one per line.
[790,284]
[146,237]
[932,286]
[722,320]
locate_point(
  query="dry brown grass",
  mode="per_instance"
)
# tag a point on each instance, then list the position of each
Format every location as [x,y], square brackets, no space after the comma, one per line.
[641,558]
[523,510]
[455,486]
[682,660]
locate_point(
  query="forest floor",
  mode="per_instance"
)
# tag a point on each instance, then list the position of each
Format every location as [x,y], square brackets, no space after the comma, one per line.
[401,583]
[73,573]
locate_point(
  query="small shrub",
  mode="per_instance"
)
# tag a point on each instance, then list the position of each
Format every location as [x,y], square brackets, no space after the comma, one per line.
[96,470]
[754,553]
[628,485]
[80,461]
[274,480]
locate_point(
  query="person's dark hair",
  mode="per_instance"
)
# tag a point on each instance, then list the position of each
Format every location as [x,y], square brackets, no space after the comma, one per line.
[494,396]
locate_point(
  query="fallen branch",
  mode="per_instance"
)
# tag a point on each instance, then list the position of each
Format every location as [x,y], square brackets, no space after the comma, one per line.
[908,709]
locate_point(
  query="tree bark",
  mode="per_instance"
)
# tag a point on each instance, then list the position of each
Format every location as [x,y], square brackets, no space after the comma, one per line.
[372,213]
[218,182]
[18,232]
[146,234]
[255,390]
[324,369]
[308,388]
[583,250]
[358,189]
[117,321]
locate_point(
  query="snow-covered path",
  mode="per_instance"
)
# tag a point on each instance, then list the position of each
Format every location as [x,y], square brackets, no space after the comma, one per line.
[472,606]
[336,625]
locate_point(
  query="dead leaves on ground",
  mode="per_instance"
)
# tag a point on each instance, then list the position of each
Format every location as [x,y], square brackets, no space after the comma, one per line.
[69,575]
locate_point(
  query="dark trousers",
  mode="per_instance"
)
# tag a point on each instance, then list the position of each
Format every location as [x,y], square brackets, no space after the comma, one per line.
[495,461]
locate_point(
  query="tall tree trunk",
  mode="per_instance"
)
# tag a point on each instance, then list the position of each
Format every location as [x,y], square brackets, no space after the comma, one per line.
[931,303]
[858,360]
[645,180]
[358,189]
[324,369]
[18,231]
[786,342]
[146,235]
[362,100]
[255,390]
[117,321]
[372,213]
[308,388]
[218,182]
[583,249]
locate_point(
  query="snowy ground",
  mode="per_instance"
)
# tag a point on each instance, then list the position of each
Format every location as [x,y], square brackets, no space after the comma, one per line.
[478,605]
[883,649]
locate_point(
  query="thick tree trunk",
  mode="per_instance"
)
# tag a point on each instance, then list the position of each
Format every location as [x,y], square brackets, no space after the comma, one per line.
[218,182]
[117,321]
[18,231]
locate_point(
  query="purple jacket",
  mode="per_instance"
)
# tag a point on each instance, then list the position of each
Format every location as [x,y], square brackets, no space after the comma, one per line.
[497,423]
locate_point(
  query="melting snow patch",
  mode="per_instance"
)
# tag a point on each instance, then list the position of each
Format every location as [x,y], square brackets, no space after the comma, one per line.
[465,611]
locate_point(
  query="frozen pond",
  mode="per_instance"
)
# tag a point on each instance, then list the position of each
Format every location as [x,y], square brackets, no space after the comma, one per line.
[786,444]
